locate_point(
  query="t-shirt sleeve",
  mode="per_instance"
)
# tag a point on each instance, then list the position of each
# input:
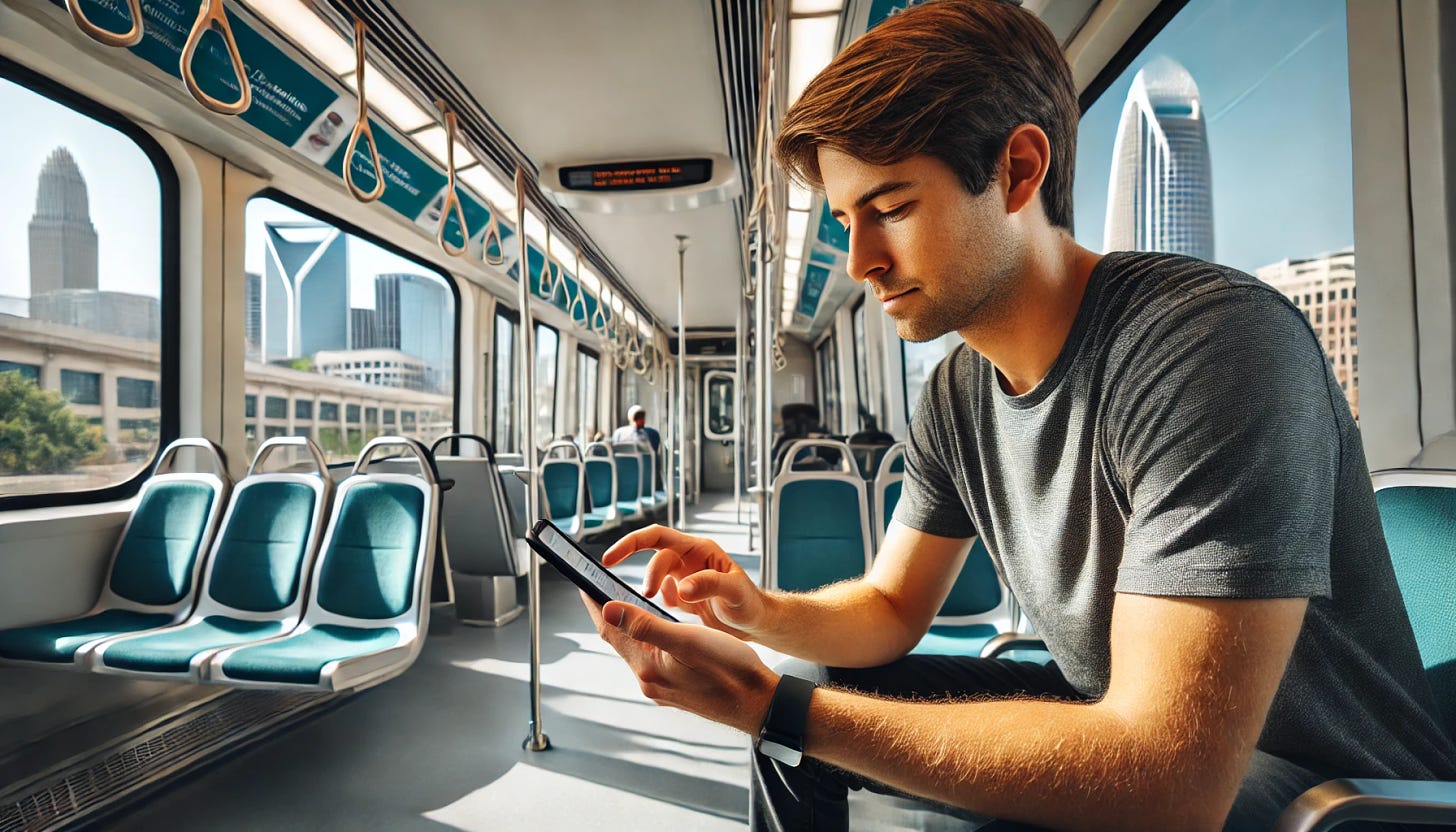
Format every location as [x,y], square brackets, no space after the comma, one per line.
[929,500]
[1228,449]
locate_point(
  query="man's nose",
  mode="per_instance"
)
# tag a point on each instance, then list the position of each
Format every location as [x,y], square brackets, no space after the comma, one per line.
[868,256]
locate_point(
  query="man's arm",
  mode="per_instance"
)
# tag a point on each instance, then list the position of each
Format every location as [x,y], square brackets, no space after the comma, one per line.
[1166,748]
[858,623]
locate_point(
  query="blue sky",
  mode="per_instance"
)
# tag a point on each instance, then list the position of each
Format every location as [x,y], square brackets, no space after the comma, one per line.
[1274,81]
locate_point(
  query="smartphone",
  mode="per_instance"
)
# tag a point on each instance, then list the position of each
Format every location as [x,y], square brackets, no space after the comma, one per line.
[583,570]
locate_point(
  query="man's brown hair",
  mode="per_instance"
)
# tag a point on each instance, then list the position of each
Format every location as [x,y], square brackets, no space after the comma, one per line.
[950,79]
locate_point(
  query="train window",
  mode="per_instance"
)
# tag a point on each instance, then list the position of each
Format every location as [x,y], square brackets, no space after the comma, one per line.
[587,370]
[548,344]
[718,415]
[330,313]
[87,263]
[918,359]
[1177,155]
[827,362]
[861,365]
[503,427]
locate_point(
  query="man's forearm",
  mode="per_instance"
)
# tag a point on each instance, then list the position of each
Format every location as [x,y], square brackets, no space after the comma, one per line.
[849,624]
[1056,764]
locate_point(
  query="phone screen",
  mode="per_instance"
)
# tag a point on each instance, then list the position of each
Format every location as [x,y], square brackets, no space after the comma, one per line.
[607,583]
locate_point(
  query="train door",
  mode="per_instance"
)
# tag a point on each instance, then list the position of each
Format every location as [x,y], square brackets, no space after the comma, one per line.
[716,428]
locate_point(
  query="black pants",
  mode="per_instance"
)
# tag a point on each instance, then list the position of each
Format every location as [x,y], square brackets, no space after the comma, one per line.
[815,795]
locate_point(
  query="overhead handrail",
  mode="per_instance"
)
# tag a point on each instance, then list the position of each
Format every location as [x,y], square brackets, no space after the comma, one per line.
[452,196]
[492,232]
[580,301]
[213,15]
[271,445]
[548,280]
[131,37]
[215,455]
[362,128]
[599,319]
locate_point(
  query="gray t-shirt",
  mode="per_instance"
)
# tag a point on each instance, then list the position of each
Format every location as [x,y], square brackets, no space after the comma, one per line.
[1190,440]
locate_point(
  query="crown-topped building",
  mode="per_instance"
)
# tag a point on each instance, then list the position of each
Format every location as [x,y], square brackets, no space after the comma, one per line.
[62,239]
[63,261]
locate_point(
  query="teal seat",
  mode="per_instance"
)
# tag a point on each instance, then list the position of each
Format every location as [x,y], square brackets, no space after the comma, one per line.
[1418,515]
[819,524]
[367,611]
[888,481]
[563,483]
[152,578]
[600,473]
[252,588]
[629,481]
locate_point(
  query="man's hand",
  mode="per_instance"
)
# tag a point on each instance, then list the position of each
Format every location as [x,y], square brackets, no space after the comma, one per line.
[696,576]
[687,666]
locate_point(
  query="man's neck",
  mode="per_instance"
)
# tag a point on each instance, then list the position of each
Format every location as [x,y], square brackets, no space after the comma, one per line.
[1024,340]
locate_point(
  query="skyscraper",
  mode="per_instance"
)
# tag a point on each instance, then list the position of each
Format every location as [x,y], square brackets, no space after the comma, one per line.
[412,314]
[305,301]
[1160,194]
[253,315]
[62,239]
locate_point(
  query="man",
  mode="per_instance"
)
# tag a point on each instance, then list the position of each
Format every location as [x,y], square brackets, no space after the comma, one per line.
[1152,450]
[638,431]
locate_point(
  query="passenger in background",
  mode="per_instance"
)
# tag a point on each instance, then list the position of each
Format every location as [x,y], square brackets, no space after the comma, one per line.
[637,431]
[1152,449]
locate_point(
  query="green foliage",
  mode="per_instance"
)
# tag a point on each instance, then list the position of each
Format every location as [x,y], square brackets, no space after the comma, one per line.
[305,364]
[38,432]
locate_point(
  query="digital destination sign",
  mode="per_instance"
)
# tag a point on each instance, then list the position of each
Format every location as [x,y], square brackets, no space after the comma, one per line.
[637,176]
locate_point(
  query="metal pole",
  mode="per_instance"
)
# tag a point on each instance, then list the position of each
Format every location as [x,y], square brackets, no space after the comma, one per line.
[669,444]
[536,739]
[762,354]
[739,376]
[682,382]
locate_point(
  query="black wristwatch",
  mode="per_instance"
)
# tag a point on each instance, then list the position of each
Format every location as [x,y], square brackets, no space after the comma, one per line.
[782,734]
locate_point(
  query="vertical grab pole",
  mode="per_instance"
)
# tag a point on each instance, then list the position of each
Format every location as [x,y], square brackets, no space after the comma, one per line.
[536,739]
[682,382]
[739,375]
[762,355]
[670,442]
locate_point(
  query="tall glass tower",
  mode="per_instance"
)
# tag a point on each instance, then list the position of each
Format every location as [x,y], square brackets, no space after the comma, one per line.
[1160,194]
[305,300]
[62,239]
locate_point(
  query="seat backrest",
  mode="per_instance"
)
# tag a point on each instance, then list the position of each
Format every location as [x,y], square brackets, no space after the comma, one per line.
[374,565]
[1418,514]
[977,589]
[820,524]
[601,474]
[888,481]
[562,481]
[268,538]
[868,456]
[476,518]
[158,558]
[514,489]
[629,471]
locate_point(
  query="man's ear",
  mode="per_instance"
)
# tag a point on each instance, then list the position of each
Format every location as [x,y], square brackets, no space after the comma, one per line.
[1024,164]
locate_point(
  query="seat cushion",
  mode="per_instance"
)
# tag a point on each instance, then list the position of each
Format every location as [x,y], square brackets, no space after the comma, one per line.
[369,567]
[300,659]
[259,560]
[154,563]
[172,650]
[597,517]
[59,641]
[951,640]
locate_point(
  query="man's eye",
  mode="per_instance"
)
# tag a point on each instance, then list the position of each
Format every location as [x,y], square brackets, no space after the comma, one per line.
[894,214]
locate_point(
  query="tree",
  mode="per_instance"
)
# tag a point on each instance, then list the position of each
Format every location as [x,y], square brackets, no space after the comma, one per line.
[38,432]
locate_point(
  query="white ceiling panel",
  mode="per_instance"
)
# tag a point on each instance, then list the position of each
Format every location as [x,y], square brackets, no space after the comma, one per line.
[586,80]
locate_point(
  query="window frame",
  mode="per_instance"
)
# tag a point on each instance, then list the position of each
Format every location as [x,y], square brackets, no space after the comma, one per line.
[581,410]
[536,326]
[828,347]
[506,313]
[857,343]
[290,201]
[170,286]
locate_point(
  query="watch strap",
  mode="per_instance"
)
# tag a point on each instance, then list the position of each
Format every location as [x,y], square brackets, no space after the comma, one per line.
[782,734]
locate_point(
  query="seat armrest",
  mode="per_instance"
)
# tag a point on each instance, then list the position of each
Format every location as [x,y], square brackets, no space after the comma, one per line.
[1334,802]
[1006,642]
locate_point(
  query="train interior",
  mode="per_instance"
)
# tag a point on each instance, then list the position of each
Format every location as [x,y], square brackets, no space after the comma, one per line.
[360,289]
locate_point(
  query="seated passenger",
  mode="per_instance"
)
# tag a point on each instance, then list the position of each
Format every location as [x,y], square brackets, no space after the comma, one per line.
[637,430]
[1151,447]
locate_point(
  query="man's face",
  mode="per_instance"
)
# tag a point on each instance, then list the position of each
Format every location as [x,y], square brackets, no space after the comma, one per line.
[640,419]
[937,257]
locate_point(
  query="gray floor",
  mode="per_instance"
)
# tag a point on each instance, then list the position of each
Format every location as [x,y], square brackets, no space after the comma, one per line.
[439,748]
